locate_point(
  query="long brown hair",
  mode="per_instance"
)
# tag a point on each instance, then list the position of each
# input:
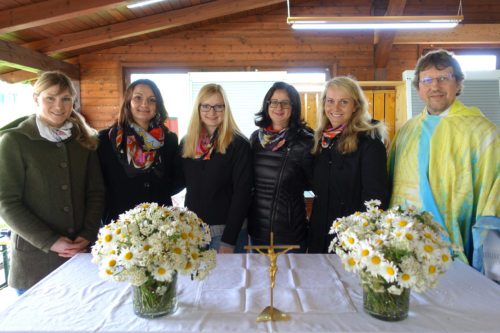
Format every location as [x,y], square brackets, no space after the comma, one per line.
[360,121]
[84,134]
[125,115]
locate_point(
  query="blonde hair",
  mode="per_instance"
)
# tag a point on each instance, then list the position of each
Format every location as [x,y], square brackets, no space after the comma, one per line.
[85,135]
[225,132]
[360,121]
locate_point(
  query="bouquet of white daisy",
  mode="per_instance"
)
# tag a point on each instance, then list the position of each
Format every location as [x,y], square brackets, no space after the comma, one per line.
[148,245]
[393,251]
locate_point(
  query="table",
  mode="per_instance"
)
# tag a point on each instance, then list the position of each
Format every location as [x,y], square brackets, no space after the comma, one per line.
[313,288]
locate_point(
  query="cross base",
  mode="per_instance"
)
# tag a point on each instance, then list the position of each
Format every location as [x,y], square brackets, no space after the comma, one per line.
[272,314]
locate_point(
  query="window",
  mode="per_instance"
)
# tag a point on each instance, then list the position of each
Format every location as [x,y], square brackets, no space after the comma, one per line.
[477,62]
[245,91]
[15,101]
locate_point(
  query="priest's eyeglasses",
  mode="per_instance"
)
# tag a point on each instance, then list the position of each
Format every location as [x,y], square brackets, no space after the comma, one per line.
[427,81]
[216,107]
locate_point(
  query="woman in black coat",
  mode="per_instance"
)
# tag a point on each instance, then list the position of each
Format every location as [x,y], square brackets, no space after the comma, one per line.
[217,169]
[350,159]
[138,154]
[282,164]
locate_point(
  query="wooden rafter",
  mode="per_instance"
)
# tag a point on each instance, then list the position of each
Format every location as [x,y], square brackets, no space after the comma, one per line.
[383,46]
[51,11]
[462,34]
[13,55]
[147,24]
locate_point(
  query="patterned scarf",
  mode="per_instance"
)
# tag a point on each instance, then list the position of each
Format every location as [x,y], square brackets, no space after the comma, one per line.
[141,146]
[205,145]
[54,134]
[272,140]
[329,134]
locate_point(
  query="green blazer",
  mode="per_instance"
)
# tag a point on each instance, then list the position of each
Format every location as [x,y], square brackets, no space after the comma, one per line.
[47,190]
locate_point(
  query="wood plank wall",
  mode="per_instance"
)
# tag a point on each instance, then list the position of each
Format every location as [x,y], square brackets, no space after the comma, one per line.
[252,43]
[382,106]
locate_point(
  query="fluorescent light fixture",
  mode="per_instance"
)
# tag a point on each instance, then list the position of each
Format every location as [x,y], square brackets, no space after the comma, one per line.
[143,3]
[374,22]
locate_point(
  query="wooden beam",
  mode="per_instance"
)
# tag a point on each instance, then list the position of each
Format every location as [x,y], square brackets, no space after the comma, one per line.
[143,25]
[46,12]
[15,56]
[18,76]
[462,34]
[383,47]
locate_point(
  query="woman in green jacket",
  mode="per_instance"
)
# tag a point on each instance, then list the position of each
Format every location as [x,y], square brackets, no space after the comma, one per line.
[51,192]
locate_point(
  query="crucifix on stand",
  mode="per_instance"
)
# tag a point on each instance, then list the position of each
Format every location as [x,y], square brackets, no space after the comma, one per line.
[270,313]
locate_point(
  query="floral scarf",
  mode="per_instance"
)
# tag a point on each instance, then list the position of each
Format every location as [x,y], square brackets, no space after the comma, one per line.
[205,145]
[141,146]
[271,139]
[329,134]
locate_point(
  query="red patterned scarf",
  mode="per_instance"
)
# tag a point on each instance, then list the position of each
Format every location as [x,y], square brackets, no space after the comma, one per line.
[329,134]
[205,145]
[141,145]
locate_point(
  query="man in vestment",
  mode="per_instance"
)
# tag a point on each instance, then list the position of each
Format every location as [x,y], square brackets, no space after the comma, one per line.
[446,159]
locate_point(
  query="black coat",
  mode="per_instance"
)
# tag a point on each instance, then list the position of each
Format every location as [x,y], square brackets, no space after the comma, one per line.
[342,183]
[219,189]
[280,179]
[124,191]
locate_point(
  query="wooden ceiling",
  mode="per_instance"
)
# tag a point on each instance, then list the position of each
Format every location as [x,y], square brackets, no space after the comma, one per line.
[37,35]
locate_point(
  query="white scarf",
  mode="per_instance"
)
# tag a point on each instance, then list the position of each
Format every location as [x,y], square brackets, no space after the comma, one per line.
[51,133]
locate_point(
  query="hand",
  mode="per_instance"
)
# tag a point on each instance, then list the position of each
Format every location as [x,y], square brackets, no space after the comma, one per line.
[225,249]
[82,243]
[67,248]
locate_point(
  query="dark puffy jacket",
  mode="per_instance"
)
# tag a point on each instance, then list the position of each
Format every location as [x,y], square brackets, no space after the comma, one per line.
[280,179]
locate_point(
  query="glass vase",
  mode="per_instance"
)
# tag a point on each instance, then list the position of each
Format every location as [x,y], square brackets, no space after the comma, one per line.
[384,305]
[155,298]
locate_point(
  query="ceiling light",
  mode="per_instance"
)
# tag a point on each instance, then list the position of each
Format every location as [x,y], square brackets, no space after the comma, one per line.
[374,22]
[143,3]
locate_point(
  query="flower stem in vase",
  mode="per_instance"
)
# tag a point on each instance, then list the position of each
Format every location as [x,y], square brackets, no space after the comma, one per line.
[154,298]
[384,305]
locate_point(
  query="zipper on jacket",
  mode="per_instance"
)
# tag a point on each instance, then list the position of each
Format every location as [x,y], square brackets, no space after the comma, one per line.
[276,196]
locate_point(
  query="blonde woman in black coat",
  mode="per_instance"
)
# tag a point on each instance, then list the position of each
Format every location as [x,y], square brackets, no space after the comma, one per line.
[350,159]
[217,167]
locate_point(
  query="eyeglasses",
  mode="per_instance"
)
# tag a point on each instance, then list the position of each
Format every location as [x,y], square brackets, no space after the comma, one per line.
[284,104]
[208,107]
[427,81]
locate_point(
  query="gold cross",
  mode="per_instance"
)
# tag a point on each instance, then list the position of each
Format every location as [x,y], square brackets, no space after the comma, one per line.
[270,313]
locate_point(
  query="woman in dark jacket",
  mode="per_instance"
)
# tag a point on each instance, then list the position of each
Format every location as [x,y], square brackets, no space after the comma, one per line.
[282,164]
[350,159]
[217,168]
[138,154]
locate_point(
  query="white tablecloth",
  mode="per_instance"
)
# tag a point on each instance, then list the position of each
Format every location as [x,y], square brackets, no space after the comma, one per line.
[314,289]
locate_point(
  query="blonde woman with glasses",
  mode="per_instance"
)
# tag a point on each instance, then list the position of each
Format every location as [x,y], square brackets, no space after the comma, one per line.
[350,159]
[216,161]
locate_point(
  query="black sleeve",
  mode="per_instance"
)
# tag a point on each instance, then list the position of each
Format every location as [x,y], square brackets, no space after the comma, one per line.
[178,182]
[242,180]
[374,180]
[307,164]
